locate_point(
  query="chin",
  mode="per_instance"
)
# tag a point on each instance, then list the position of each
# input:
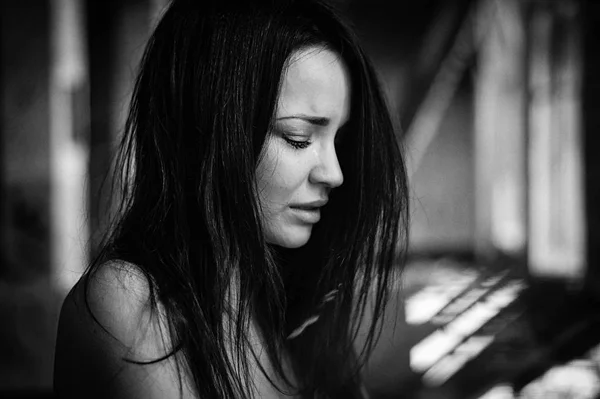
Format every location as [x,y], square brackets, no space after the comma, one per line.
[290,239]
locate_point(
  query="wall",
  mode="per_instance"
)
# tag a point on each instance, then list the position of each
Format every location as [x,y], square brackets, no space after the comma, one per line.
[28,303]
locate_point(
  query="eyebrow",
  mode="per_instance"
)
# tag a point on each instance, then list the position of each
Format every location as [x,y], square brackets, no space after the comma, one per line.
[314,120]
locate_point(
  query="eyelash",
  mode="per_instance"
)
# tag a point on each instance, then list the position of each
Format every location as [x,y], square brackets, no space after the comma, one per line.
[297,144]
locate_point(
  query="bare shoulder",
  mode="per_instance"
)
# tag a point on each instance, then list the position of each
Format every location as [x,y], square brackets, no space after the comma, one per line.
[117,295]
[107,331]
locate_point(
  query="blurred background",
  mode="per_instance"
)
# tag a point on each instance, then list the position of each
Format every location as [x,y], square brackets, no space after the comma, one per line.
[498,107]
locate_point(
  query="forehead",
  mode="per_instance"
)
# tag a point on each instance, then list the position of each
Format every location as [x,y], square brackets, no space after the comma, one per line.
[316,82]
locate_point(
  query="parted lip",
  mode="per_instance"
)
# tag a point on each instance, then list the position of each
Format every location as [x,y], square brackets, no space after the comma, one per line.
[308,205]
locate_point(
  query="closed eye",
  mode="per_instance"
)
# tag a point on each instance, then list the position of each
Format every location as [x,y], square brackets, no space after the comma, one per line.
[297,144]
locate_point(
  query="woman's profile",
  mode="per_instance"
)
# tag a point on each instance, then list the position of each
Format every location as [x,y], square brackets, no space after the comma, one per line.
[263,209]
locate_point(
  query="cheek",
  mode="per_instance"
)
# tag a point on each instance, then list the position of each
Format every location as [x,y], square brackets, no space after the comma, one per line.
[279,176]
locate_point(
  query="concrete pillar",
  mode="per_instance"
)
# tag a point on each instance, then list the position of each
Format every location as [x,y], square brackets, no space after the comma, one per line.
[69,142]
[556,170]
[500,131]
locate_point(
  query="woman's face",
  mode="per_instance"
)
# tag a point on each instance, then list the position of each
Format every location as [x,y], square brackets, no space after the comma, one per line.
[299,166]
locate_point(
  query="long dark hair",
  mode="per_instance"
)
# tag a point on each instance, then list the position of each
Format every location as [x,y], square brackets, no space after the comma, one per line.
[188,215]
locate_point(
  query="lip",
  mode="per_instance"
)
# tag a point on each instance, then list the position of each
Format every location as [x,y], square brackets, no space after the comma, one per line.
[313,204]
[309,212]
[308,216]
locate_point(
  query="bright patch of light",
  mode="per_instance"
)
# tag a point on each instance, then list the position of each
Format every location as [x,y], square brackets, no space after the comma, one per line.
[576,379]
[437,345]
[459,306]
[430,350]
[425,304]
[493,280]
[449,365]
[470,321]
[499,392]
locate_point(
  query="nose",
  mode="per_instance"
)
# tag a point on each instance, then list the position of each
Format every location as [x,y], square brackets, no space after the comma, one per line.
[328,171]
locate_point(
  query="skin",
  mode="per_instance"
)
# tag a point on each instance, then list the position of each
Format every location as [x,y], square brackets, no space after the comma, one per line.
[299,164]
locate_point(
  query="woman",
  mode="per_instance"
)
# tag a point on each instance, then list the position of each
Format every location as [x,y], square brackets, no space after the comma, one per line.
[264,204]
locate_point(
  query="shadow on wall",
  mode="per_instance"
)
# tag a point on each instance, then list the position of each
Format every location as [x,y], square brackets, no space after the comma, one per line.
[29,312]
[442,189]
